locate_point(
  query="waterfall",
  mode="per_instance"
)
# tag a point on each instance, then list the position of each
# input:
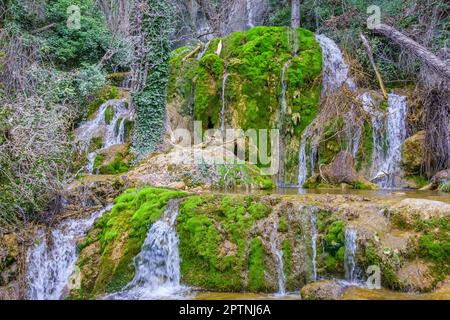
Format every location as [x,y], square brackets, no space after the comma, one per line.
[396,135]
[314,242]
[350,254]
[158,264]
[250,22]
[50,264]
[203,52]
[335,70]
[98,127]
[302,165]
[335,74]
[277,253]
[222,113]
[388,137]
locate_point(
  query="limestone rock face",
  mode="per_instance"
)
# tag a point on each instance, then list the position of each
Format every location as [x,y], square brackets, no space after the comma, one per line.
[413,152]
[323,290]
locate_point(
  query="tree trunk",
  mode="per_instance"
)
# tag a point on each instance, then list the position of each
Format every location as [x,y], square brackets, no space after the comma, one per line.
[422,53]
[295,15]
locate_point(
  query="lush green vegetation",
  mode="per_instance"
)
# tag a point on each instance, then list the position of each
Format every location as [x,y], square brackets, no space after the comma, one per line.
[117,238]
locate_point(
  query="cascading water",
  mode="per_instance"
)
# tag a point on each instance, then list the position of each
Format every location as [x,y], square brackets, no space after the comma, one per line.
[50,265]
[314,242]
[250,20]
[222,113]
[335,70]
[396,135]
[277,253]
[335,74]
[203,52]
[98,127]
[158,264]
[351,238]
[302,164]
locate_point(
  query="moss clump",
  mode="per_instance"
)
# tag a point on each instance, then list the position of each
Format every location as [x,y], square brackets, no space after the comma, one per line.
[205,226]
[287,257]
[109,114]
[256,267]
[334,244]
[254,60]
[103,95]
[282,225]
[118,237]
[95,144]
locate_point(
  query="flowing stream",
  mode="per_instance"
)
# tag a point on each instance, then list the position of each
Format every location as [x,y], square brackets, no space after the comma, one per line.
[351,238]
[222,112]
[112,133]
[50,264]
[314,242]
[158,264]
[277,253]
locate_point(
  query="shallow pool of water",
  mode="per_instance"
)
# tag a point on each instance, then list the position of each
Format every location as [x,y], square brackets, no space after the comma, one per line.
[381,194]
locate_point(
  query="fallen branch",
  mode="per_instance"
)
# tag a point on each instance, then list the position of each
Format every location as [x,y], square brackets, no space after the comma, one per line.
[423,54]
[374,66]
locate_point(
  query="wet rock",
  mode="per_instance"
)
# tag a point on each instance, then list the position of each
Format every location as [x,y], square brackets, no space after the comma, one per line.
[416,276]
[341,170]
[408,210]
[441,178]
[323,290]
[413,153]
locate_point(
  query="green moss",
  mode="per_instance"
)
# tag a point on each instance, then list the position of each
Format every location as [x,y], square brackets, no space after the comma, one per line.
[103,95]
[254,60]
[256,267]
[118,165]
[109,114]
[282,225]
[287,257]
[334,245]
[205,224]
[365,152]
[123,230]
[95,144]
[98,162]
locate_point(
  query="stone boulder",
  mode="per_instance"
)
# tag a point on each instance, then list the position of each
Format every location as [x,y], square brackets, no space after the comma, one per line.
[413,153]
[441,178]
[341,170]
[323,290]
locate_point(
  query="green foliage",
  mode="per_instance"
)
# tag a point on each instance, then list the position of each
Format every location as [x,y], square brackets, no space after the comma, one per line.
[109,114]
[204,225]
[71,47]
[124,229]
[150,102]
[89,79]
[256,281]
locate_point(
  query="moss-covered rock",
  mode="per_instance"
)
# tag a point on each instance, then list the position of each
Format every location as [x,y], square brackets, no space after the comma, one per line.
[113,160]
[413,154]
[253,61]
[108,250]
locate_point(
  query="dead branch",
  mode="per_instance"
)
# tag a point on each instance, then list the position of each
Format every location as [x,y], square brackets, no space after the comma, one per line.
[374,66]
[423,54]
